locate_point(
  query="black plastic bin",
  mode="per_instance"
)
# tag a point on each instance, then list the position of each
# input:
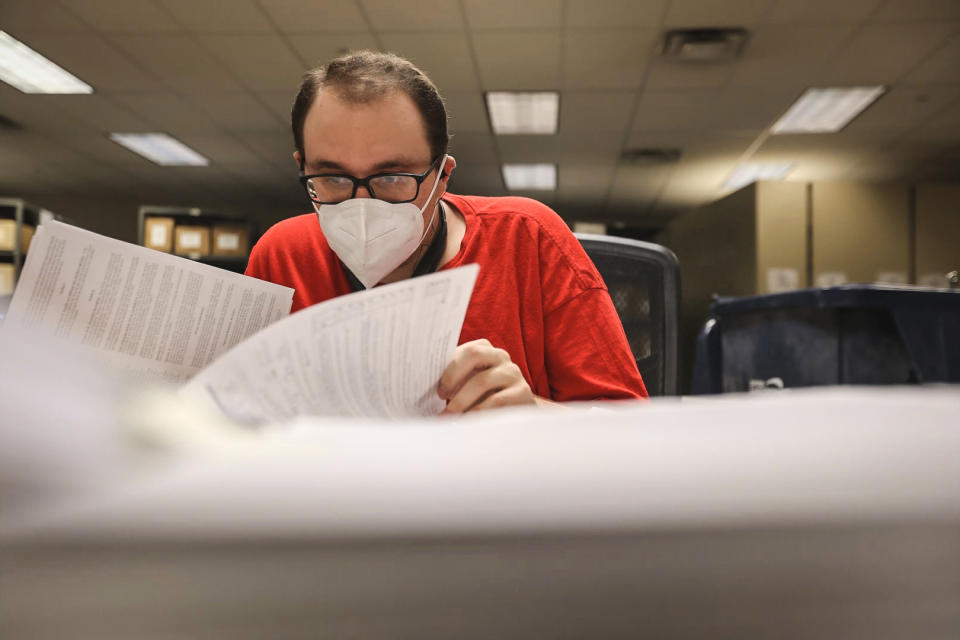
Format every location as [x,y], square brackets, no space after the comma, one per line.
[852,334]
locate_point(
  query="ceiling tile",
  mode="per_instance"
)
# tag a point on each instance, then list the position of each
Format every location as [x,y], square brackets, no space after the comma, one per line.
[445,58]
[131,16]
[881,54]
[510,14]
[903,108]
[610,59]
[235,16]
[330,16]
[280,103]
[907,10]
[695,182]
[665,138]
[587,111]
[584,183]
[38,16]
[664,75]
[473,149]
[466,112]
[179,62]
[818,156]
[240,111]
[260,62]
[946,118]
[591,14]
[413,15]
[942,66]
[730,112]
[573,146]
[481,180]
[317,49]
[169,113]
[100,114]
[665,110]
[715,13]
[821,11]
[789,56]
[274,146]
[96,61]
[527,60]
[636,189]
[220,148]
[98,147]
[38,114]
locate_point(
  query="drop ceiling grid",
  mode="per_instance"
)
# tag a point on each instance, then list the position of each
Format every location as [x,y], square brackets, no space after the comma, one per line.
[226,86]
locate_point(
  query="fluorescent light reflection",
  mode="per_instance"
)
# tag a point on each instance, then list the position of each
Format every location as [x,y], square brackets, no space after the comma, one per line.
[534,177]
[30,72]
[826,110]
[748,173]
[161,149]
[514,113]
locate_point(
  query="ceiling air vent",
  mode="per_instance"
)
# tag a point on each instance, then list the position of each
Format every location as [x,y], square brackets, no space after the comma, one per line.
[650,156]
[7,123]
[703,45]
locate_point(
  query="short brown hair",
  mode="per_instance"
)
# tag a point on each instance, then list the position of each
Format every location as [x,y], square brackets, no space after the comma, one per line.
[364,76]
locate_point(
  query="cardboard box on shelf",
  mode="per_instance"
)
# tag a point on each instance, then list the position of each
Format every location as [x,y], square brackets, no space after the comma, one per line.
[230,240]
[8,235]
[6,278]
[158,233]
[191,239]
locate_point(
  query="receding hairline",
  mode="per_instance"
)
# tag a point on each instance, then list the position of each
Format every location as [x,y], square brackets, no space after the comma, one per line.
[366,100]
[367,77]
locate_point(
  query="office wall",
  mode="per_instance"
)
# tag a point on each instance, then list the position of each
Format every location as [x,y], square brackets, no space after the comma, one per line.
[937,232]
[715,246]
[781,244]
[861,233]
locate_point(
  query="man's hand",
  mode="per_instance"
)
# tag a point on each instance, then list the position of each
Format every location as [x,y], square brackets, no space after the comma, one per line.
[480,376]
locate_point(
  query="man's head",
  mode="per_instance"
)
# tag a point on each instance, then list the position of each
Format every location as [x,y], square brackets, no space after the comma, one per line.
[364,77]
[373,126]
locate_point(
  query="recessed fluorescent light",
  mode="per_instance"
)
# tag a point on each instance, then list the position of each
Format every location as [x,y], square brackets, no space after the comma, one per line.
[30,72]
[539,177]
[161,149]
[826,110]
[516,113]
[747,173]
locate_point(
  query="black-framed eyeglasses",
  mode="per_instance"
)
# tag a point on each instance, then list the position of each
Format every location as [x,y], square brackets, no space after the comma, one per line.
[396,188]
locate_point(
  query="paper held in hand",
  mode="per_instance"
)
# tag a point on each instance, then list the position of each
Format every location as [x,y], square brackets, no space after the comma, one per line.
[161,317]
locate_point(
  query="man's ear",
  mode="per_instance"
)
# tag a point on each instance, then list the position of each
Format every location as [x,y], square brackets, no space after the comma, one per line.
[448,166]
[299,159]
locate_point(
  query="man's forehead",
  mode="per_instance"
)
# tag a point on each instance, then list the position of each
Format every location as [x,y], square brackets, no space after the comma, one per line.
[389,131]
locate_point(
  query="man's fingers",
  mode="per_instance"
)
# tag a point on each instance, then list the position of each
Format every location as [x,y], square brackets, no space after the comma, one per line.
[516,394]
[469,357]
[482,384]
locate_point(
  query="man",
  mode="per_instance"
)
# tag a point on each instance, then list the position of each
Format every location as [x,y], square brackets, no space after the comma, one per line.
[370,131]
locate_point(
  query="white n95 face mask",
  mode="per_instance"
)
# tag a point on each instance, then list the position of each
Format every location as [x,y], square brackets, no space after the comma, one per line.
[373,237]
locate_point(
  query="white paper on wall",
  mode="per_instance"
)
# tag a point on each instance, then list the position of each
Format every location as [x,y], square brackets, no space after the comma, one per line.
[831,278]
[190,240]
[892,277]
[158,235]
[228,241]
[933,279]
[782,279]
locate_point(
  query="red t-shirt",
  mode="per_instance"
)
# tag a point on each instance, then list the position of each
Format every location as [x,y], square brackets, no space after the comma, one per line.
[537,295]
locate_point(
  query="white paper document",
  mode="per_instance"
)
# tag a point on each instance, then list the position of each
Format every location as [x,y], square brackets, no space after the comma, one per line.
[149,313]
[376,353]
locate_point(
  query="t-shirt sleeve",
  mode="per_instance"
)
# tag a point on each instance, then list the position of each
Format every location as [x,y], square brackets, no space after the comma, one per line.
[257,264]
[586,350]
[587,354]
